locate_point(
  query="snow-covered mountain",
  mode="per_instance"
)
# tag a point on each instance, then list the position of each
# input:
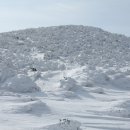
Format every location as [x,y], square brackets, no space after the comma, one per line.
[68,73]
[81,44]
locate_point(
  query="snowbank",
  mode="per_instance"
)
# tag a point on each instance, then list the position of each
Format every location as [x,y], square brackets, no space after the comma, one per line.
[64,124]
[121,110]
[68,84]
[32,107]
[20,84]
[121,81]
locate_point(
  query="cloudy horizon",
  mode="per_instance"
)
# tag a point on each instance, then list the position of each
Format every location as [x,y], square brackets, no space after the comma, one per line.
[112,15]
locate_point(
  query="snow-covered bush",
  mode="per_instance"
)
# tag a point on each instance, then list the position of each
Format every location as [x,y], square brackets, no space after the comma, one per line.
[20,84]
[64,124]
[82,44]
[68,83]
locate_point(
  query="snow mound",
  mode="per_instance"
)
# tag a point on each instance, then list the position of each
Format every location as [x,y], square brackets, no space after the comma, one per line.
[67,94]
[121,81]
[70,94]
[68,84]
[33,107]
[87,84]
[20,84]
[5,73]
[115,78]
[121,110]
[64,124]
[100,78]
[98,90]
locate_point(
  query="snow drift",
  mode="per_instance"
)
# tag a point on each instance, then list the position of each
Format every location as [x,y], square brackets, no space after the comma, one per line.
[68,83]
[64,124]
[33,107]
[122,109]
[74,71]
[20,84]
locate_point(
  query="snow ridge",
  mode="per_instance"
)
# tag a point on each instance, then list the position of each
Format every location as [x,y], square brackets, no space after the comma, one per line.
[69,73]
[80,44]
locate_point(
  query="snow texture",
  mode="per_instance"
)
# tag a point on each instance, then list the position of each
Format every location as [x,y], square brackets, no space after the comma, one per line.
[79,75]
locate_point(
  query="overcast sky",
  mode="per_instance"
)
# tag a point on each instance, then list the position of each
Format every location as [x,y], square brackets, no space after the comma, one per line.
[111,15]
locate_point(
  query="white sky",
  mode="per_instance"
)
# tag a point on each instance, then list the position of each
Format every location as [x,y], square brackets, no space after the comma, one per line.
[111,15]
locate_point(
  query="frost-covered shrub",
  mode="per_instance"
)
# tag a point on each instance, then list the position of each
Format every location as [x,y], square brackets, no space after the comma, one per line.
[121,81]
[20,84]
[68,83]
[64,124]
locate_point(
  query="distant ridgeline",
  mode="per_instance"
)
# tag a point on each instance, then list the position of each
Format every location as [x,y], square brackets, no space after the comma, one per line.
[70,43]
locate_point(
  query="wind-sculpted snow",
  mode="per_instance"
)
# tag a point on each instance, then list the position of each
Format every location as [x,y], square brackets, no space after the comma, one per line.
[68,84]
[64,124]
[33,107]
[68,73]
[20,84]
[120,108]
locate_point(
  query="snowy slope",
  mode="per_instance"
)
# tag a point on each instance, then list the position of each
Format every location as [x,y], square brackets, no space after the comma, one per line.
[64,78]
[75,43]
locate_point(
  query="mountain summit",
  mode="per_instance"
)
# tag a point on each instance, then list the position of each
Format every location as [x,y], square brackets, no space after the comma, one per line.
[75,44]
